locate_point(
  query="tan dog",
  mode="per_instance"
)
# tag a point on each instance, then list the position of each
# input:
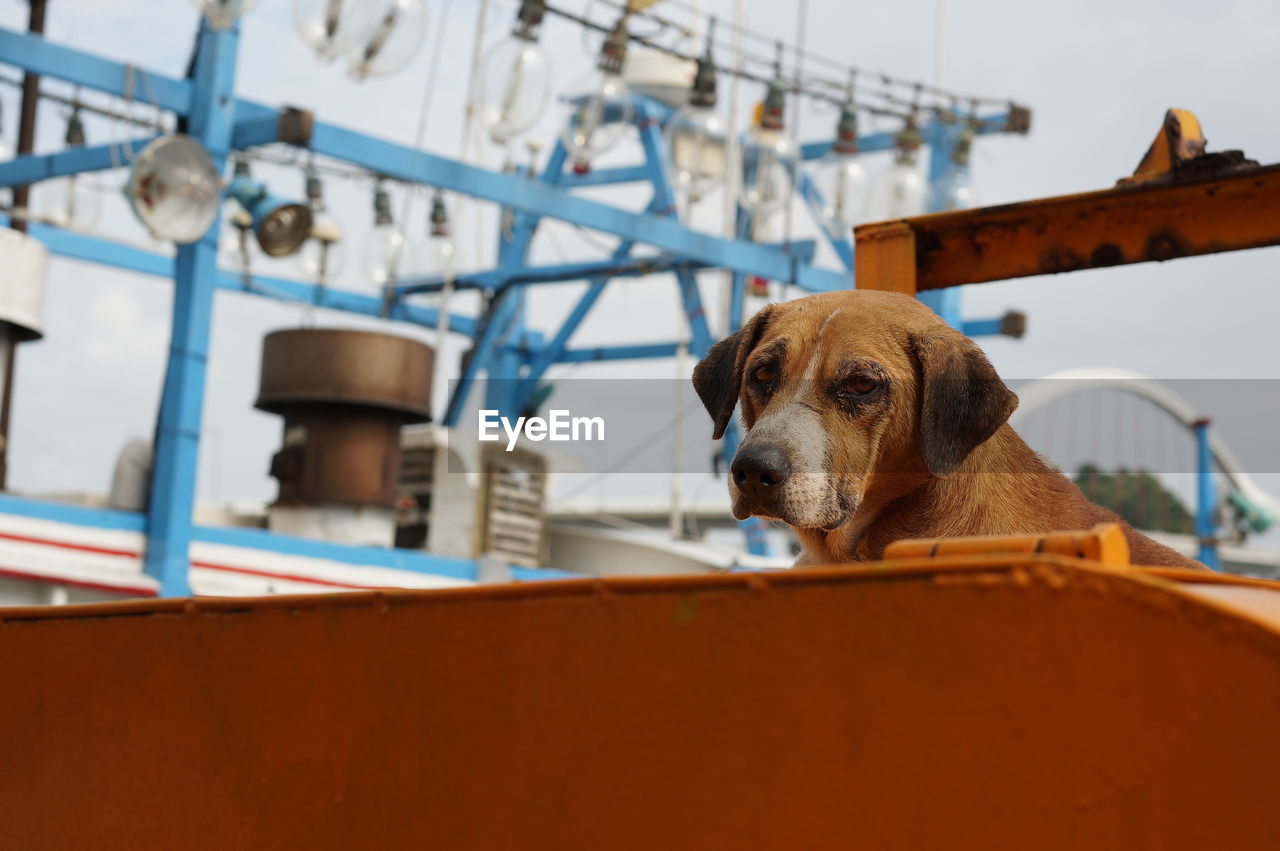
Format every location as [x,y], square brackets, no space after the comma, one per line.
[869,420]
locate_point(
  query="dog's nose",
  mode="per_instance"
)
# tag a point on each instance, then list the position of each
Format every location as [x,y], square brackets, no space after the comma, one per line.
[759,471]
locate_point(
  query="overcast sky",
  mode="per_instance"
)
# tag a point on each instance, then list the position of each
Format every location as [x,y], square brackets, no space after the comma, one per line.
[1098,75]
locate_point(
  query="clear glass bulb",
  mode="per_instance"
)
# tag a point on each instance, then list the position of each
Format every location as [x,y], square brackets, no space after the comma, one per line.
[512,88]
[766,160]
[385,255]
[899,193]
[223,13]
[397,32]
[843,184]
[597,120]
[237,247]
[953,192]
[333,28]
[321,257]
[71,202]
[696,144]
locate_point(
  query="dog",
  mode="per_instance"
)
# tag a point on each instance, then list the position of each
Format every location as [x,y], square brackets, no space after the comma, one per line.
[869,420]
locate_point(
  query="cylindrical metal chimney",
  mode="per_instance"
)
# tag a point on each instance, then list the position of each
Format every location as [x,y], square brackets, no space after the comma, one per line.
[344,396]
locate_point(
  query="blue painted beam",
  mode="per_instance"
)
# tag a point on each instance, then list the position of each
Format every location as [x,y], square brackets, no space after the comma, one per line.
[254,126]
[48,59]
[607,176]
[639,351]
[398,559]
[92,249]
[802,249]
[256,539]
[554,274]
[982,327]
[33,168]
[700,337]
[404,163]
[1206,498]
[177,435]
[32,53]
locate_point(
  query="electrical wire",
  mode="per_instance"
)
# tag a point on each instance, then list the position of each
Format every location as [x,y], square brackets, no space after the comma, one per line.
[73,102]
[798,52]
[908,99]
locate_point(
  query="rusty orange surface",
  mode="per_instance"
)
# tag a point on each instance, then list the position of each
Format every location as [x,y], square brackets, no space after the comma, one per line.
[1128,224]
[970,702]
[1104,543]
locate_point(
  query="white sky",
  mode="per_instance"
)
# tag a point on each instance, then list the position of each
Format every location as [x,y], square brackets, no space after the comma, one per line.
[1098,75]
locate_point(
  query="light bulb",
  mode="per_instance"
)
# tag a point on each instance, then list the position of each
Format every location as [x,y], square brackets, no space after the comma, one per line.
[73,203]
[840,177]
[174,189]
[843,183]
[695,135]
[397,33]
[599,118]
[899,193]
[237,246]
[597,121]
[766,159]
[514,81]
[385,248]
[333,28]
[222,14]
[512,88]
[953,192]
[323,255]
[696,142]
[768,155]
[432,258]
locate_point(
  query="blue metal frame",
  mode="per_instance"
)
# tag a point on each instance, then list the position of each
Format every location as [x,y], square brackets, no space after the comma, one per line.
[505,346]
[1206,498]
[177,441]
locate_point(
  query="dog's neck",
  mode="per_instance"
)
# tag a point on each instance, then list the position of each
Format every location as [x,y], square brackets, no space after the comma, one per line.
[1022,494]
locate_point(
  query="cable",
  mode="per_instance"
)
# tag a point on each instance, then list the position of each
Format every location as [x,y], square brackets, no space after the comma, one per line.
[944,98]
[87,107]
[634,452]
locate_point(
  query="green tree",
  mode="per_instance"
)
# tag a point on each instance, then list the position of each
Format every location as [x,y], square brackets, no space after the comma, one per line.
[1136,496]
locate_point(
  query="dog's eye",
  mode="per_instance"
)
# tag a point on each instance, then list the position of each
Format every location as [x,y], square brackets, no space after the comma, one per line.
[859,385]
[764,374]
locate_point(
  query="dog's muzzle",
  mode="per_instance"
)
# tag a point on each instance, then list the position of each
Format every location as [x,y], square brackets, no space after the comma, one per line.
[759,474]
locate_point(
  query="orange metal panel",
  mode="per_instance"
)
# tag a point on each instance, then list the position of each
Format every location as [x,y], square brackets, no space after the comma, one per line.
[885,258]
[1134,223]
[1105,543]
[970,702]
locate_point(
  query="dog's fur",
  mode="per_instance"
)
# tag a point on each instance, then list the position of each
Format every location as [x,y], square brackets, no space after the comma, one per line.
[926,452]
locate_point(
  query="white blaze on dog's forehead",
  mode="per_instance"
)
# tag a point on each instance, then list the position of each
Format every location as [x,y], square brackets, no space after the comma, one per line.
[811,368]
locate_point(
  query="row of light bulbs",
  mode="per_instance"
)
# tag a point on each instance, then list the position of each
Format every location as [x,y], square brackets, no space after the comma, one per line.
[378,37]
[514,86]
[175,191]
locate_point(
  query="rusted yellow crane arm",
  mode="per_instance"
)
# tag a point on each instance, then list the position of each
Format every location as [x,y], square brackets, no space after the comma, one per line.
[1201,205]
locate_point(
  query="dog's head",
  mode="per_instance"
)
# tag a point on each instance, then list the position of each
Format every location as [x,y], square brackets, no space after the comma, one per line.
[844,391]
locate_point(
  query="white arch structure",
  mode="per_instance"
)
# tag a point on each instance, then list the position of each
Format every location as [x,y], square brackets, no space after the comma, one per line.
[1055,385]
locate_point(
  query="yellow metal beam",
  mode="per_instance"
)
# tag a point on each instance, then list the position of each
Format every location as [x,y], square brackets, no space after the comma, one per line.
[1232,208]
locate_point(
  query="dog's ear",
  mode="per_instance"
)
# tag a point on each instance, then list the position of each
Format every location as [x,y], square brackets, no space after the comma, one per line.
[718,376]
[962,400]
